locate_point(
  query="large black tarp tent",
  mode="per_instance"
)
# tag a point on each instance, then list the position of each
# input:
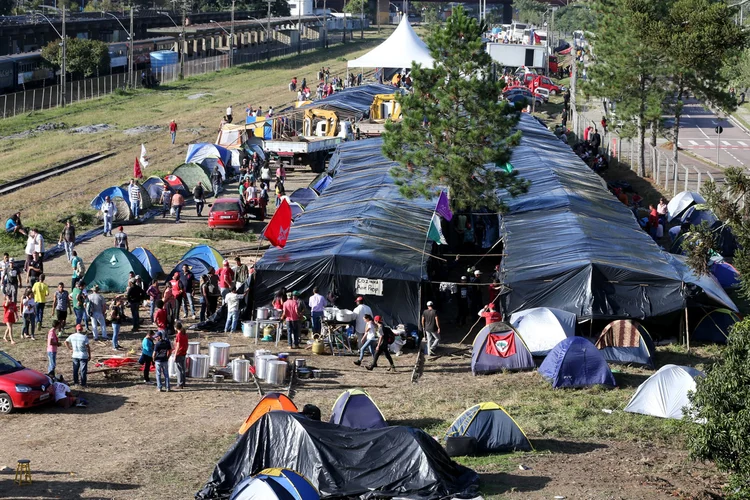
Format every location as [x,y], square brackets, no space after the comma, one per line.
[570,244]
[360,228]
[341,462]
[352,102]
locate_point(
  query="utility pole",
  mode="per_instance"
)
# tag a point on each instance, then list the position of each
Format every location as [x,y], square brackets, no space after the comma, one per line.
[231,39]
[325,19]
[268,33]
[300,3]
[573,79]
[719,129]
[362,20]
[63,68]
[131,53]
[377,13]
[182,40]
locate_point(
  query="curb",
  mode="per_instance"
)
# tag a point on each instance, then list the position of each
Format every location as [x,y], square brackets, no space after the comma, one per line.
[739,124]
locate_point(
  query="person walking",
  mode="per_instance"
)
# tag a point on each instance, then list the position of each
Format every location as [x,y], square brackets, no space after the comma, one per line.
[10,316]
[79,269]
[41,292]
[121,239]
[61,304]
[178,202]
[79,344]
[134,295]
[232,300]
[178,292]
[53,342]
[229,116]
[97,308]
[109,210]
[36,268]
[199,195]
[317,305]
[431,327]
[216,180]
[385,338]
[12,280]
[187,278]
[166,200]
[162,350]
[173,130]
[134,196]
[28,310]
[115,315]
[147,356]
[180,353]
[369,339]
[359,326]
[68,239]
[78,299]
[290,314]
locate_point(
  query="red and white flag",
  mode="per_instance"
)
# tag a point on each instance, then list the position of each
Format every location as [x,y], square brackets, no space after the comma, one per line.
[277,231]
[503,345]
[137,173]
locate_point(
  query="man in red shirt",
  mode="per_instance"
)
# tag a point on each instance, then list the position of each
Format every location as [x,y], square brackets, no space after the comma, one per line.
[173,130]
[290,313]
[490,315]
[160,316]
[180,352]
[226,279]
[178,292]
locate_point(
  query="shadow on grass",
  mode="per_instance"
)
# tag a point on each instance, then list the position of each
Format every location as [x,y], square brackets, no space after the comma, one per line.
[59,489]
[566,447]
[642,186]
[421,423]
[629,380]
[496,484]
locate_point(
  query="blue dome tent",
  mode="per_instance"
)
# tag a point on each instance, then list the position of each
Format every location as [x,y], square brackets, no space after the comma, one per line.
[275,484]
[625,341]
[149,261]
[715,326]
[206,253]
[354,408]
[493,429]
[198,266]
[113,191]
[576,362]
[499,347]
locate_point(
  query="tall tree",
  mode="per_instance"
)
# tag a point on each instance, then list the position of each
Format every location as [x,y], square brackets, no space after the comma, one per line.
[84,57]
[454,130]
[626,67]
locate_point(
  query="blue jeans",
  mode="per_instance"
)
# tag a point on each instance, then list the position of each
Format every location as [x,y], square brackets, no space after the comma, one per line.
[39,313]
[135,208]
[69,249]
[80,371]
[79,316]
[52,362]
[97,323]
[177,211]
[108,224]
[187,300]
[231,321]
[29,323]
[316,318]
[292,329]
[115,334]
[162,369]
[151,308]
[370,344]
[174,134]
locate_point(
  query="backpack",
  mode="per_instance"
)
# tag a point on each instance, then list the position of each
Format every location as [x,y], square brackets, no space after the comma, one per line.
[80,268]
[13,276]
[389,336]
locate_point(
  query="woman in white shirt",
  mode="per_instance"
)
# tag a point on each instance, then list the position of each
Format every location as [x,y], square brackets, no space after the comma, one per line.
[370,337]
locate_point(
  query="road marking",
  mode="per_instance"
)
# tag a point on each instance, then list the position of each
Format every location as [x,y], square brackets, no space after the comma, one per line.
[741,143]
[737,159]
[693,143]
[702,132]
[726,143]
[709,143]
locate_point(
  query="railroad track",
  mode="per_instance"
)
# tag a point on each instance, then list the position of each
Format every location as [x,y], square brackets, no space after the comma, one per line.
[48,173]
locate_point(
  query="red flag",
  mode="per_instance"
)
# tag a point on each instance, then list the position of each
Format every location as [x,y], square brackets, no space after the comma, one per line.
[537,39]
[137,169]
[503,345]
[277,231]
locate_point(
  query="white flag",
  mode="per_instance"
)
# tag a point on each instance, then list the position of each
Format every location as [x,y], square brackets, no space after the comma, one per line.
[144,157]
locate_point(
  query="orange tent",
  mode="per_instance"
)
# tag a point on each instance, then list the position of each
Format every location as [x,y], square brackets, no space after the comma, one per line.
[270,402]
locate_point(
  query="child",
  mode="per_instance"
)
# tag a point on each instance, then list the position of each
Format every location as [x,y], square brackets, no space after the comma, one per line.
[147,356]
[53,342]
[28,308]
[9,318]
[154,294]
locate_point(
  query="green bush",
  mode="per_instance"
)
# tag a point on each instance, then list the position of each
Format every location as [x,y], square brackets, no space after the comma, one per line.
[223,234]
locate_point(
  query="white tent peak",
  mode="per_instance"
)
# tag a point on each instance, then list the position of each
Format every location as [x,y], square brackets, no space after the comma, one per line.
[400,50]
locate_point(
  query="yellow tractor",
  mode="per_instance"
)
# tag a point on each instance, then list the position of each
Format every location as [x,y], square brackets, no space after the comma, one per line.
[385,106]
[331,123]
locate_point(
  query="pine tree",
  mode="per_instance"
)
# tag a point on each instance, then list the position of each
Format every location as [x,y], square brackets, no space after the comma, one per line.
[454,132]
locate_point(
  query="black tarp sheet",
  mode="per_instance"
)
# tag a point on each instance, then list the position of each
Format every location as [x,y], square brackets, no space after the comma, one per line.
[352,101]
[341,462]
[572,245]
[360,227]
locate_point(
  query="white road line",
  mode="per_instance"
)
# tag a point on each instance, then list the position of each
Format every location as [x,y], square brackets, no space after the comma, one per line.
[709,143]
[738,160]
[726,143]
[741,143]
[693,143]
[702,132]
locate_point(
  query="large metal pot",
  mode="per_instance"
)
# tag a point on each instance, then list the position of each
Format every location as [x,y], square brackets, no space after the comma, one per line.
[275,314]
[248,328]
[241,370]
[329,313]
[276,372]
[345,316]
[262,313]
[198,366]
[260,368]
[300,362]
[218,353]
[194,348]
[258,354]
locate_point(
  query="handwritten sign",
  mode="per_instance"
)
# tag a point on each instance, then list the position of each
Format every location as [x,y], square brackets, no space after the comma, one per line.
[365,286]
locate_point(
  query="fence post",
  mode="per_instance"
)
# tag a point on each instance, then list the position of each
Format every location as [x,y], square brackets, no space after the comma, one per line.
[698,187]
[655,162]
[43,89]
[5,104]
[15,103]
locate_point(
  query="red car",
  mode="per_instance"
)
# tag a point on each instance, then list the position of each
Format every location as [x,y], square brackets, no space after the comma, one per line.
[536,81]
[227,213]
[22,387]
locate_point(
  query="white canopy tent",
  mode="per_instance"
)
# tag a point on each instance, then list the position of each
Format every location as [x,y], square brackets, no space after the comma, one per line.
[400,50]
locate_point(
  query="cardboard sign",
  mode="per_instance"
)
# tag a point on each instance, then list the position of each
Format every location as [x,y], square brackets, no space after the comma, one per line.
[365,286]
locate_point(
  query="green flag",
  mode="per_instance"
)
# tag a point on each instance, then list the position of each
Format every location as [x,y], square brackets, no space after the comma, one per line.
[435,233]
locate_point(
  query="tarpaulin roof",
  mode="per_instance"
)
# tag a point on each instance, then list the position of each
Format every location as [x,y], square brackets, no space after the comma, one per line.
[360,227]
[352,99]
[400,50]
[570,244]
[340,462]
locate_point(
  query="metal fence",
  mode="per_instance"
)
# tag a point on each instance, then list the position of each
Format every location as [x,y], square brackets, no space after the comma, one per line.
[91,88]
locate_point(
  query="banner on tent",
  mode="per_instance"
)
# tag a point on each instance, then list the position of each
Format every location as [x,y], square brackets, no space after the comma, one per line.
[366,286]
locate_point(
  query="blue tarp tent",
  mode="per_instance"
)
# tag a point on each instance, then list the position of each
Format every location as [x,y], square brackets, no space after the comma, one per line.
[576,362]
[499,347]
[111,192]
[198,266]
[303,196]
[355,409]
[715,326]
[625,341]
[725,273]
[206,253]
[725,240]
[494,430]
[321,182]
[205,151]
[149,261]
[154,186]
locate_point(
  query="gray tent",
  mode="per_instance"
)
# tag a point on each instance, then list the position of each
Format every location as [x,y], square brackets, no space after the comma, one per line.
[191,174]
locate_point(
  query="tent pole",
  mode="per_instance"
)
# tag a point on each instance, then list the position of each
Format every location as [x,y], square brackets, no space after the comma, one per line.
[687,330]
[591,328]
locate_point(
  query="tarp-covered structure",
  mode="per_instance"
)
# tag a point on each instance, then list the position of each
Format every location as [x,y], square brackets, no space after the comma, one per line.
[400,50]
[352,102]
[340,462]
[571,245]
[360,228]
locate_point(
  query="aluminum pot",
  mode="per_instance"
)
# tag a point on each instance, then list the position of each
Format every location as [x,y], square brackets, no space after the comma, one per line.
[304,373]
[260,368]
[262,313]
[241,370]
[198,366]
[194,348]
[258,354]
[275,314]
[248,328]
[218,353]
[345,316]
[276,372]
[300,362]
[329,313]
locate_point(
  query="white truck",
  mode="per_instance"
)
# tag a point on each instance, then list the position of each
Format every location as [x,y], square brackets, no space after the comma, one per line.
[514,56]
[312,150]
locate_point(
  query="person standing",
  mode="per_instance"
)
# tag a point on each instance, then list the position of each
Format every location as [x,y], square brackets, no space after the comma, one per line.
[203,290]
[121,239]
[115,315]
[178,202]
[290,314]
[173,130]
[109,210]
[36,268]
[147,356]
[53,342]
[29,250]
[68,239]
[490,315]
[232,300]
[41,291]
[187,278]
[61,304]
[199,195]
[78,299]
[431,327]
[317,305]
[166,200]
[369,340]
[180,352]
[134,196]
[135,296]
[214,292]
[216,180]
[226,279]
[79,270]
[10,316]
[154,294]
[385,338]
[97,310]
[79,344]
[229,116]
[178,292]
[12,280]
[28,310]
[162,350]
[359,326]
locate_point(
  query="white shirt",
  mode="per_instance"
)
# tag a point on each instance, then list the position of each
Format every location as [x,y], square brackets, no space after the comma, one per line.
[39,244]
[232,300]
[317,303]
[360,311]
[229,111]
[110,208]
[370,331]
[30,243]
[61,391]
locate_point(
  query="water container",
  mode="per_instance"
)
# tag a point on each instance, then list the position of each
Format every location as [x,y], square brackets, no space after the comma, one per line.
[162,58]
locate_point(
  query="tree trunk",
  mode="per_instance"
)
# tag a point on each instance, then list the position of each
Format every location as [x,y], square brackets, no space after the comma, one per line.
[641,148]
[676,126]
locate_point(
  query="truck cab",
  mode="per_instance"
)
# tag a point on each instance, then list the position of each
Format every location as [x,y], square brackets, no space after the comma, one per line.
[344,130]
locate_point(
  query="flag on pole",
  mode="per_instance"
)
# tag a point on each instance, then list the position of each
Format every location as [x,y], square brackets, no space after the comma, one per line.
[443,207]
[435,233]
[144,156]
[277,231]
[137,173]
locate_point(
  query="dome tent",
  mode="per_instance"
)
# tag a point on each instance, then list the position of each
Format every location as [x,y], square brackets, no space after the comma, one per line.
[354,408]
[494,430]
[681,202]
[715,325]
[499,347]
[191,174]
[122,206]
[114,191]
[145,196]
[177,185]
[206,253]
[576,362]
[111,269]
[275,484]
[626,341]
[542,328]
[665,393]
[197,266]
[149,261]
[273,401]
[155,186]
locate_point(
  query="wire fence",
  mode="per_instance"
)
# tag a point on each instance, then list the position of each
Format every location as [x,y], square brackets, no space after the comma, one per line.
[19,103]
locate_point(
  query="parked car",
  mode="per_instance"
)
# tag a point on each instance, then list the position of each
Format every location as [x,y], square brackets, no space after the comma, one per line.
[524,99]
[539,81]
[515,90]
[22,387]
[227,213]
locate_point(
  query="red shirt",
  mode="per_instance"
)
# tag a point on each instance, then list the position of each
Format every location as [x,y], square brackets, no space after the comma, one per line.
[492,317]
[226,277]
[173,127]
[290,310]
[160,318]
[181,343]
[175,284]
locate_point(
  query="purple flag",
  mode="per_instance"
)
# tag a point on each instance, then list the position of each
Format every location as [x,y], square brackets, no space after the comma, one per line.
[443,208]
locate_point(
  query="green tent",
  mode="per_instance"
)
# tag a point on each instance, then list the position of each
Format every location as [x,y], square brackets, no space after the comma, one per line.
[191,174]
[111,269]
